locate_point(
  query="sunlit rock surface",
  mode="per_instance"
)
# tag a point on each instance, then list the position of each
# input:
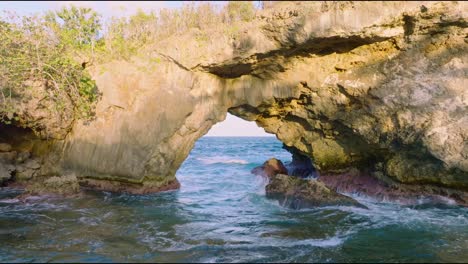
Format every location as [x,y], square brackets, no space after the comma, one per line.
[377,86]
[270,168]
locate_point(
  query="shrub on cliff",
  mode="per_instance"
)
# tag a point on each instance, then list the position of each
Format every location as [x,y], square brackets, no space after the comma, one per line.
[76,28]
[125,36]
[52,51]
[240,11]
[37,60]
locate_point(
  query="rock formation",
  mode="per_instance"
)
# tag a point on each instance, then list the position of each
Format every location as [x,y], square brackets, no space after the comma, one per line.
[300,193]
[371,86]
[270,168]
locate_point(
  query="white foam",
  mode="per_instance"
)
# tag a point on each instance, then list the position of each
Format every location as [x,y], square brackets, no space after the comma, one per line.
[330,242]
[9,201]
[223,160]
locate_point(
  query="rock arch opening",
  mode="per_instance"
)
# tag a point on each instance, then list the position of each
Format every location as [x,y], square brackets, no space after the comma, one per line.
[236,132]
[226,155]
[236,127]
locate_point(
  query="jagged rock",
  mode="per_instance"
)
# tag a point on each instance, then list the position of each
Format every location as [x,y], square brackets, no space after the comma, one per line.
[4,147]
[270,168]
[299,193]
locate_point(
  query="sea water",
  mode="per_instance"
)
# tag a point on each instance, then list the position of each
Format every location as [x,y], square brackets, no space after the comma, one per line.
[221,214]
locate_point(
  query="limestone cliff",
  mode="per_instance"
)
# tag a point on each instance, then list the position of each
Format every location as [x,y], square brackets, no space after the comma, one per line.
[374,86]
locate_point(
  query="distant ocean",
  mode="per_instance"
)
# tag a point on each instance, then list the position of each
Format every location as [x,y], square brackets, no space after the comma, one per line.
[220,214]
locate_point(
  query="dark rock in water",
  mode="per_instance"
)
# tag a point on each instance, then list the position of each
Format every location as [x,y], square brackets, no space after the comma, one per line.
[380,187]
[354,181]
[299,193]
[270,168]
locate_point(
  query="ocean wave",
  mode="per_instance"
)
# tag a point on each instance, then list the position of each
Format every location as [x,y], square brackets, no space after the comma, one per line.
[249,243]
[14,200]
[223,160]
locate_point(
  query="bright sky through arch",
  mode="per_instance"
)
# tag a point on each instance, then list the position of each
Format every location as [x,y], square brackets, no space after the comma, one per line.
[233,126]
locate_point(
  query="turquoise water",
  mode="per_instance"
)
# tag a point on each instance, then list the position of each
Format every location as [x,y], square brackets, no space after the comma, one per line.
[220,214]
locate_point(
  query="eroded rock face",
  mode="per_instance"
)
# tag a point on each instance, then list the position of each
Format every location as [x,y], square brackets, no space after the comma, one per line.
[348,85]
[391,101]
[300,193]
[345,92]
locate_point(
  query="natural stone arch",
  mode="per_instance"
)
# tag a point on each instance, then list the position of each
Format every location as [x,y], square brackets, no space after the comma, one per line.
[346,92]
[143,141]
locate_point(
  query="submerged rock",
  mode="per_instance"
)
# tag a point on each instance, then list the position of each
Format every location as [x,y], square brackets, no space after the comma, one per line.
[299,193]
[270,168]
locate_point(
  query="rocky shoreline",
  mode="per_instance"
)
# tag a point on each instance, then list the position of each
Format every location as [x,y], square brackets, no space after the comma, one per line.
[297,191]
[375,97]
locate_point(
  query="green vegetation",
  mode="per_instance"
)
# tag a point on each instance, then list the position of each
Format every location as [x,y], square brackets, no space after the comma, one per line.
[34,58]
[240,10]
[46,56]
[75,27]
[125,36]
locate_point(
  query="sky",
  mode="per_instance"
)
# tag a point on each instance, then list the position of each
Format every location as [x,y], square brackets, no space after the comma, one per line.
[106,8]
[232,126]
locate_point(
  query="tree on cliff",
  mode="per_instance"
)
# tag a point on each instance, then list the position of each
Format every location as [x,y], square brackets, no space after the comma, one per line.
[76,27]
[36,60]
[54,50]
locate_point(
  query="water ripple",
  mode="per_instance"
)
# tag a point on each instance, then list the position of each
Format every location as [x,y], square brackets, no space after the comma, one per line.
[221,215]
